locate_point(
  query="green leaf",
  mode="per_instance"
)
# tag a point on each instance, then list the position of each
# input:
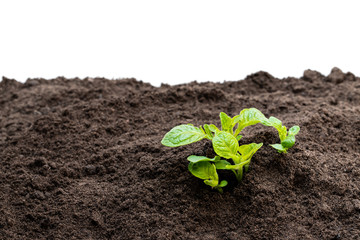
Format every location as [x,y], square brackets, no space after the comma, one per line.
[288,142]
[279,147]
[183,135]
[277,124]
[273,122]
[238,137]
[208,131]
[226,122]
[195,159]
[203,170]
[221,164]
[247,151]
[211,183]
[225,145]
[248,117]
[223,183]
[294,130]
[237,166]
[236,119]
[213,128]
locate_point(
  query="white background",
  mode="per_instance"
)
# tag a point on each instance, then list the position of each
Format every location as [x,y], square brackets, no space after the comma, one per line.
[177,41]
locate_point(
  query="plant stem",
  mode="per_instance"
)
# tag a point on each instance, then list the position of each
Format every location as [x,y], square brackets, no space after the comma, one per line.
[239,174]
[246,167]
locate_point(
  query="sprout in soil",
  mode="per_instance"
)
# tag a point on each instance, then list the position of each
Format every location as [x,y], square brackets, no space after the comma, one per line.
[230,155]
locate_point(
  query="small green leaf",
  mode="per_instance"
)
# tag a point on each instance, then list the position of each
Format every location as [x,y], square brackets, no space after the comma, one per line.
[226,122]
[213,174]
[203,170]
[288,142]
[223,183]
[236,119]
[221,164]
[195,159]
[247,151]
[273,122]
[183,135]
[238,137]
[279,147]
[225,145]
[294,130]
[213,128]
[211,183]
[282,133]
[277,124]
[248,117]
[208,131]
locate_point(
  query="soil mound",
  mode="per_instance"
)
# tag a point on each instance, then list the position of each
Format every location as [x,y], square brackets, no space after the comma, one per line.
[82,159]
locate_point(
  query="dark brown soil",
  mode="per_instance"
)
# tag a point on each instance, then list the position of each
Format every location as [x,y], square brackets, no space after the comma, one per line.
[82,159]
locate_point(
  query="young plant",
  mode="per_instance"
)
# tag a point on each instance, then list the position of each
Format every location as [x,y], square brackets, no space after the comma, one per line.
[203,168]
[287,138]
[226,144]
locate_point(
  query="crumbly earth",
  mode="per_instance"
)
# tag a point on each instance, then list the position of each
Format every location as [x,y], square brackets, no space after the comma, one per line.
[82,159]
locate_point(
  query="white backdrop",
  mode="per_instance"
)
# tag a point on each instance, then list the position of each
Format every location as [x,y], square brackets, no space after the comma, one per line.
[177,41]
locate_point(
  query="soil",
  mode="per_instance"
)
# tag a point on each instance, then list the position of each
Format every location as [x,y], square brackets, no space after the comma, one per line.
[82,159]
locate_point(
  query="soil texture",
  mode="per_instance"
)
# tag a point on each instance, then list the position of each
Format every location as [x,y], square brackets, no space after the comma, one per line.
[82,159]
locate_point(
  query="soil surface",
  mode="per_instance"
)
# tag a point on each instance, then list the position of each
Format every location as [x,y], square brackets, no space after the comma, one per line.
[82,159]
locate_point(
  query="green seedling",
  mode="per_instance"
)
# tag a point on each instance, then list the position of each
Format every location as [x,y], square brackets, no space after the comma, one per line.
[230,155]
[227,146]
[207,171]
[287,138]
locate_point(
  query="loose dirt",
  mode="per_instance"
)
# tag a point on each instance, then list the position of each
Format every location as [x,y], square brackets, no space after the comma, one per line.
[82,159]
